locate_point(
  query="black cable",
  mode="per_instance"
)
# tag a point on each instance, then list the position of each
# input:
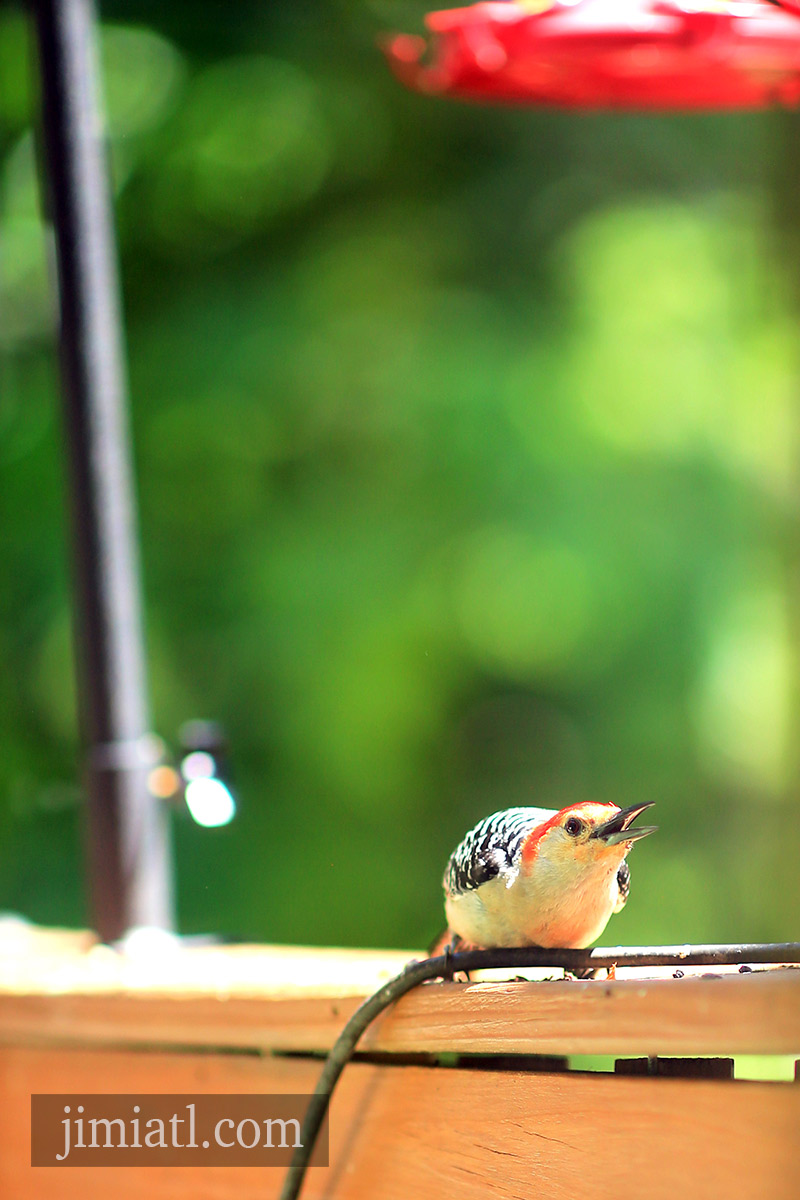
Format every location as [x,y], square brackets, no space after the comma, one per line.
[445,965]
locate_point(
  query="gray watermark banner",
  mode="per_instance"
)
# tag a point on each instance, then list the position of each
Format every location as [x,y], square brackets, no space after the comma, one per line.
[166,1130]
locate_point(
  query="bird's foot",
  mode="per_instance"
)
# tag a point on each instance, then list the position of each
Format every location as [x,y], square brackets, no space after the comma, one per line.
[582,973]
[452,947]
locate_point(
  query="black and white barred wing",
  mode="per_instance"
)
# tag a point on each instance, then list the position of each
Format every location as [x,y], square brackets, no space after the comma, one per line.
[492,848]
[624,885]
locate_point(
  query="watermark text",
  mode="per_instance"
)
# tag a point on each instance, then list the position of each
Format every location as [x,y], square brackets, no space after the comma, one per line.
[169,1130]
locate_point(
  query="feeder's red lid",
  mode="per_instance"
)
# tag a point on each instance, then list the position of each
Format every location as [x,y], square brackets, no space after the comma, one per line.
[645,54]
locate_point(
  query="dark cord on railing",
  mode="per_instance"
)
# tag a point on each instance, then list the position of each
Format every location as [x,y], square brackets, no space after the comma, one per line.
[445,965]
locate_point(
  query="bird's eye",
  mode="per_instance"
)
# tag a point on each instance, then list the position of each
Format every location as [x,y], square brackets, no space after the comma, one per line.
[573,826]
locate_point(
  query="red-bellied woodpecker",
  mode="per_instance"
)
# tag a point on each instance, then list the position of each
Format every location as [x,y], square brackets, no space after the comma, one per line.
[535,877]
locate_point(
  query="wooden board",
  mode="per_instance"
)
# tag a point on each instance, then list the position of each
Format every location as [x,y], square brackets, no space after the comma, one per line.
[46,961]
[758,1013]
[399,1133]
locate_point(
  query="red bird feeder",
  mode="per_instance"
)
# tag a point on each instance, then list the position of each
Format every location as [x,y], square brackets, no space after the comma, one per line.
[640,54]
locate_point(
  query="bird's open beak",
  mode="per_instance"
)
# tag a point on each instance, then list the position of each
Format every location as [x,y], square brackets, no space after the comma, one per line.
[618,828]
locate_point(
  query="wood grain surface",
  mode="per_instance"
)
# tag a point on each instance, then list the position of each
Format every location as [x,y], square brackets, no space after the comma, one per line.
[757,1013]
[414,1133]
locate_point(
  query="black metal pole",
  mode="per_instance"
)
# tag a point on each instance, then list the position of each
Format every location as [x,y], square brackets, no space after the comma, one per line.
[128,836]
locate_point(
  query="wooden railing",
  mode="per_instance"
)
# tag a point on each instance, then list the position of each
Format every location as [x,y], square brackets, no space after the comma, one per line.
[461,1090]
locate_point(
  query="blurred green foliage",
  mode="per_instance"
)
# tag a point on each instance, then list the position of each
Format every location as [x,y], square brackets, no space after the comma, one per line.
[467,457]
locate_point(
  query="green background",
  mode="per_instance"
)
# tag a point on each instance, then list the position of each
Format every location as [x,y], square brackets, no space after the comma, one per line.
[467,456]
